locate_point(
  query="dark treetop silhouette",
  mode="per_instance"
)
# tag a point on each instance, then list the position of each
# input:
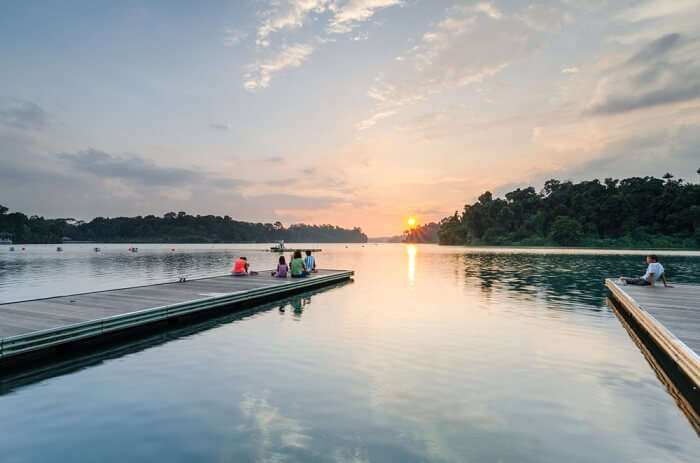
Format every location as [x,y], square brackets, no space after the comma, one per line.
[631,213]
[172,227]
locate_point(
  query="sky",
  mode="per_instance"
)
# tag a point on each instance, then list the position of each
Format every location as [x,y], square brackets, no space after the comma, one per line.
[349,112]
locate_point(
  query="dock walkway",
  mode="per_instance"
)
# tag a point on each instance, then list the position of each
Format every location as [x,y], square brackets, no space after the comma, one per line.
[671,318]
[41,324]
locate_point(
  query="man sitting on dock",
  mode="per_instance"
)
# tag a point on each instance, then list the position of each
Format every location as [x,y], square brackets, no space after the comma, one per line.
[655,272]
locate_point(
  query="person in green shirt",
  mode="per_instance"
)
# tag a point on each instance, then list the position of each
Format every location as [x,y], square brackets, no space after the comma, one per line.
[297,266]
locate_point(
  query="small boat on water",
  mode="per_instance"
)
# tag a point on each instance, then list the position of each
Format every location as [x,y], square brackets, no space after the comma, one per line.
[279,247]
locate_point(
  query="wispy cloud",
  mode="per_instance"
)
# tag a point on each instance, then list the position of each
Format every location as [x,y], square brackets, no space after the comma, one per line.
[343,16]
[664,71]
[22,114]
[372,121]
[290,56]
[488,9]
[571,70]
[219,126]
[289,14]
[347,16]
[451,56]
[136,170]
[657,8]
[233,37]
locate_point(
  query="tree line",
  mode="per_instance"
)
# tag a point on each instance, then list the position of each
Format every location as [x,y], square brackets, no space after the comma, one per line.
[637,212]
[171,228]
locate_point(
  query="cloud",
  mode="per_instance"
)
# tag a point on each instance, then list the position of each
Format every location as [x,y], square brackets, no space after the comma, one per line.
[353,12]
[657,8]
[655,49]
[274,159]
[219,126]
[139,172]
[665,71]
[452,56]
[488,9]
[276,434]
[309,171]
[233,37]
[653,153]
[293,14]
[22,114]
[289,14]
[572,70]
[367,123]
[290,56]
[132,168]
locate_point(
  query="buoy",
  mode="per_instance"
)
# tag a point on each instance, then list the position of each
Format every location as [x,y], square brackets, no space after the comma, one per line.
[24,249]
[172,249]
[12,249]
[97,249]
[59,249]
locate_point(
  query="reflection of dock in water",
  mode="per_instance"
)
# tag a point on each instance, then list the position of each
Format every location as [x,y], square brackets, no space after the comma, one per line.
[28,328]
[665,324]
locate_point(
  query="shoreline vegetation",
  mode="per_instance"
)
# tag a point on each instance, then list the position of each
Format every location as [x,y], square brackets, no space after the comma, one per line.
[171,228]
[633,213]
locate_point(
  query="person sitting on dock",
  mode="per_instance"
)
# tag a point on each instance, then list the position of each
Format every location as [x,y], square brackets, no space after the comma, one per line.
[240,268]
[654,273]
[282,268]
[297,266]
[310,262]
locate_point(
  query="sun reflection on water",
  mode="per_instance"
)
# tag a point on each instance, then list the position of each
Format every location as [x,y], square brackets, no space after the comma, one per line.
[411,250]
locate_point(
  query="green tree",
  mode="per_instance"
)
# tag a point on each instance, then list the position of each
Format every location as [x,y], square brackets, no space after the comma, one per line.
[566,231]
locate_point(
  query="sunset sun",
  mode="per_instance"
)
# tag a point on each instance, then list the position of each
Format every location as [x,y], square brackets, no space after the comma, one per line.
[411,222]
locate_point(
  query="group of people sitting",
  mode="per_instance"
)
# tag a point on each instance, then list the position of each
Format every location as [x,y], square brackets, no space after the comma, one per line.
[297,267]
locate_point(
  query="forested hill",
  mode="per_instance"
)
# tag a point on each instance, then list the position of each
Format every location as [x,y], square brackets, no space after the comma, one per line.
[171,228]
[630,213]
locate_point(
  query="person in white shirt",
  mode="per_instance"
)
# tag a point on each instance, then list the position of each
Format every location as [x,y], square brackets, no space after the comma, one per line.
[654,273]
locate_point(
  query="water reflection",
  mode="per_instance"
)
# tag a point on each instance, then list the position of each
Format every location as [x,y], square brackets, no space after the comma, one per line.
[411,251]
[484,354]
[561,280]
[72,361]
[296,303]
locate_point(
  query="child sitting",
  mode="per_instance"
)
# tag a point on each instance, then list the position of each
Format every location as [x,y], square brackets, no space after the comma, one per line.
[282,269]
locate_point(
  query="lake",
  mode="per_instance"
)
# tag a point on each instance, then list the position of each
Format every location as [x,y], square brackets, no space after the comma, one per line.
[443,354]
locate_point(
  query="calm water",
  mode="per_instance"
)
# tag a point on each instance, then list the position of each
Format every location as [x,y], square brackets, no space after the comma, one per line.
[431,354]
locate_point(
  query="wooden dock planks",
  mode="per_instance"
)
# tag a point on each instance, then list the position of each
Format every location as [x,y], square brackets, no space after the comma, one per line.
[671,318]
[38,324]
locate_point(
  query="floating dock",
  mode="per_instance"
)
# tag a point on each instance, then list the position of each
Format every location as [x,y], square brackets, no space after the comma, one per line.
[38,326]
[670,318]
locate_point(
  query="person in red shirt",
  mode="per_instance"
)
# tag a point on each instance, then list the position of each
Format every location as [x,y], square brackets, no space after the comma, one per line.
[240,268]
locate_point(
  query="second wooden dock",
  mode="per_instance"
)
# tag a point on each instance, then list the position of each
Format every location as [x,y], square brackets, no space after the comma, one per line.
[670,317]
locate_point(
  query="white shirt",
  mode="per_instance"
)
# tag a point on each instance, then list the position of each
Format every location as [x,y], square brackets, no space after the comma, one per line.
[656,268]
